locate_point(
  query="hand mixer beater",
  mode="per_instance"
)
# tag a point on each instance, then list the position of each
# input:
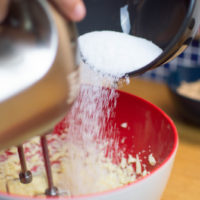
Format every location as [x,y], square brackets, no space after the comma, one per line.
[38,77]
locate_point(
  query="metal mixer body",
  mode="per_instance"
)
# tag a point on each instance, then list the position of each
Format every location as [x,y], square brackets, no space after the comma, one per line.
[34,26]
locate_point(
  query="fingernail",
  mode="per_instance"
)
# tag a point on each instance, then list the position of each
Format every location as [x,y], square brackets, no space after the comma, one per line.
[79,11]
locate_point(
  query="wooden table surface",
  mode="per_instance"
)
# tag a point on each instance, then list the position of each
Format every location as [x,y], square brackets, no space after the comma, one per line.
[184,182]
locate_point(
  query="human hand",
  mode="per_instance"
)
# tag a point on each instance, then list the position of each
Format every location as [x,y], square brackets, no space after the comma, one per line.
[73,9]
[3,9]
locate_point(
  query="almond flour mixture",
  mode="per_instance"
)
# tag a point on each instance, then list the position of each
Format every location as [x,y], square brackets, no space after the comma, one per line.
[77,170]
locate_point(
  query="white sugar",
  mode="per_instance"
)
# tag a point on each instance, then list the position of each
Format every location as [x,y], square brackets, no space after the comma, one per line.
[116,53]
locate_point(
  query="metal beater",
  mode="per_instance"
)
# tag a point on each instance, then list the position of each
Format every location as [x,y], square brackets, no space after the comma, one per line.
[32,29]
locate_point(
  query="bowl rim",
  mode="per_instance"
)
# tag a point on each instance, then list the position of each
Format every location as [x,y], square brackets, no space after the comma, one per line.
[169,157]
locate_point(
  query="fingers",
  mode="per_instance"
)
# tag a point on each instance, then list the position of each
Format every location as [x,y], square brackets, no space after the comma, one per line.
[73,9]
[3,9]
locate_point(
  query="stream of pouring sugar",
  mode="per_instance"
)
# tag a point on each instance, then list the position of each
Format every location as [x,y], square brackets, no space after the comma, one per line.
[94,110]
[93,137]
[112,55]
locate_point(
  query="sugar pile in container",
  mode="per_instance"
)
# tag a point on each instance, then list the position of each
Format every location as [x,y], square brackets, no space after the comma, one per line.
[116,53]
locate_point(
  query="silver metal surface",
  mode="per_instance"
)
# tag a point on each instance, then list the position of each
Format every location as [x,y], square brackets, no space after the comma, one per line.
[28,43]
[25,176]
[39,73]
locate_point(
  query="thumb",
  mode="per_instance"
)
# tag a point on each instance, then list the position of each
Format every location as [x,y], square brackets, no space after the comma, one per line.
[3,9]
[73,9]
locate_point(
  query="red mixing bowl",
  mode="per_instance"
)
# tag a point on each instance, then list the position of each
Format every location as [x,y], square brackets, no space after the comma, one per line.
[139,126]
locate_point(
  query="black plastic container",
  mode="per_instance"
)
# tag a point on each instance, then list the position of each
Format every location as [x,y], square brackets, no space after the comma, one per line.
[171,24]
